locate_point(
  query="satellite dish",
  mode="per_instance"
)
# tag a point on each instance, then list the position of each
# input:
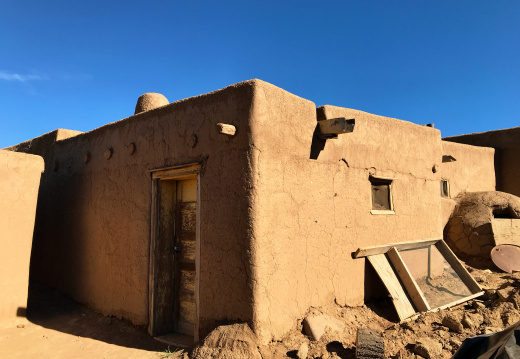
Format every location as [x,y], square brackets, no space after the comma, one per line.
[506,257]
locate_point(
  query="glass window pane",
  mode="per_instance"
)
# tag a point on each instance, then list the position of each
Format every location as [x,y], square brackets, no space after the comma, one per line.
[434,276]
[381,197]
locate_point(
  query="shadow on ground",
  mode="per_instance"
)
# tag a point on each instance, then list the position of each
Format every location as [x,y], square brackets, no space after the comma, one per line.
[52,310]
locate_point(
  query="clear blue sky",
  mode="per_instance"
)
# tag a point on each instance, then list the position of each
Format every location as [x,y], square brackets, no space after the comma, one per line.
[81,64]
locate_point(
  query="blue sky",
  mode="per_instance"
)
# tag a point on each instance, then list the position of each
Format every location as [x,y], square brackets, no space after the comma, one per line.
[81,64]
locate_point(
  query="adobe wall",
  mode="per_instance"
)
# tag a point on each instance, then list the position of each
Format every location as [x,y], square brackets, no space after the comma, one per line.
[506,231]
[507,151]
[313,213]
[473,171]
[93,225]
[19,181]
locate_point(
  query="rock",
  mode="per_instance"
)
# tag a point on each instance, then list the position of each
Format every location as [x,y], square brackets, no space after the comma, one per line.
[472,320]
[490,330]
[236,341]
[478,305]
[479,277]
[515,299]
[490,294]
[315,326]
[303,351]
[452,322]
[455,344]
[510,316]
[407,325]
[506,293]
[369,344]
[317,350]
[428,348]
[443,334]
[467,322]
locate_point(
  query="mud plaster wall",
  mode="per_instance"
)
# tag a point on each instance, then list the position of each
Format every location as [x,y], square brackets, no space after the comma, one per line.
[93,226]
[506,231]
[473,170]
[507,152]
[19,181]
[313,213]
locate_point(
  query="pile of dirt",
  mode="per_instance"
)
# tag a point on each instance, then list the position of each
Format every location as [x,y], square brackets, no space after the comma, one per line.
[235,341]
[435,334]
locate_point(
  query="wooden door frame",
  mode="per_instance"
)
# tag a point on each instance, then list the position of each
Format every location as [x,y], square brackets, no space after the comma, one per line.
[172,173]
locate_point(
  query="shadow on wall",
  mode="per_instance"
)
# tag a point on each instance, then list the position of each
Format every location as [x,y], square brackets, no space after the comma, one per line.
[21,312]
[52,310]
[317,145]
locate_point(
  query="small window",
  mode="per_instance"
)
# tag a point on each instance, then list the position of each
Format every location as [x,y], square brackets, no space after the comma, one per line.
[381,195]
[445,188]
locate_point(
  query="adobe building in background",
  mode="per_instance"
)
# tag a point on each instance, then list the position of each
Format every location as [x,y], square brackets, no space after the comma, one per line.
[507,153]
[19,181]
[237,205]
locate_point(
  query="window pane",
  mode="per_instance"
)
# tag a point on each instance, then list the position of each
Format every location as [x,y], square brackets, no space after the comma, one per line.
[434,276]
[381,197]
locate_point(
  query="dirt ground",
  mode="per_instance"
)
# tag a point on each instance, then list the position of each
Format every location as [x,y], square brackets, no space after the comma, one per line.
[58,327]
[442,332]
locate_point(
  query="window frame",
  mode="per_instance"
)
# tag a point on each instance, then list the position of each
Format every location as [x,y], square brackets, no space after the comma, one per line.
[400,283]
[378,180]
[443,180]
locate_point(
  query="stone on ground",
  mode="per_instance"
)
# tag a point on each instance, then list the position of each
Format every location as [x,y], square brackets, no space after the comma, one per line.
[428,348]
[452,322]
[316,325]
[369,344]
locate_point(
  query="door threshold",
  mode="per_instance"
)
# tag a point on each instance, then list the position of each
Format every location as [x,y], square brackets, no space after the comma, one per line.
[176,339]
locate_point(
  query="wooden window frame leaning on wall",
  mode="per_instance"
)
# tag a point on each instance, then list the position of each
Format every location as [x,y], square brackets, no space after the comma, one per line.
[407,295]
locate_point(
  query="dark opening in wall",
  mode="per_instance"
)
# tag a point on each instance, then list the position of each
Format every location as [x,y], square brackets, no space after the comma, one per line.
[503,213]
[381,194]
[445,188]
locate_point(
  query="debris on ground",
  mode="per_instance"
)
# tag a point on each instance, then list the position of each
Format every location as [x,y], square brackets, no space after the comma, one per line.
[435,334]
[315,325]
[235,341]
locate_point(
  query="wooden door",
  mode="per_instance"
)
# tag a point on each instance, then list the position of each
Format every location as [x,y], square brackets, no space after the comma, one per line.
[184,256]
[174,255]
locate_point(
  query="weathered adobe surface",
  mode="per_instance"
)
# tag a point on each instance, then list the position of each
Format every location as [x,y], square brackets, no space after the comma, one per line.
[507,152]
[19,181]
[93,225]
[469,230]
[473,170]
[313,201]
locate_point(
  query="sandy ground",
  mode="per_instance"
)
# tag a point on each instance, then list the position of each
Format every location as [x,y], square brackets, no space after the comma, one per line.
[57,327]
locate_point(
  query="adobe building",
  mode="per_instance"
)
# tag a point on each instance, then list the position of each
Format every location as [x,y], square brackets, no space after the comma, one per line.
[487,219]
[19,181]
[237,205]
[507,152]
